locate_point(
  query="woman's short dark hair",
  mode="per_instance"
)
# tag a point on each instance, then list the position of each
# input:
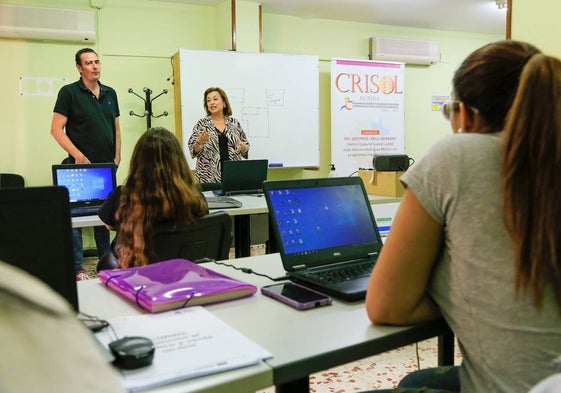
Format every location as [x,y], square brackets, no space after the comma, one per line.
[227,108]
[78,56]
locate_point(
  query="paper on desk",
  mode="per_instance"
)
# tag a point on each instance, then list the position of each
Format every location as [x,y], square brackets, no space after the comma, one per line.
[189,342]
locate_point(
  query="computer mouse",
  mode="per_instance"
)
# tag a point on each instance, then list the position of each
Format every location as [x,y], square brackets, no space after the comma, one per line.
[132,352]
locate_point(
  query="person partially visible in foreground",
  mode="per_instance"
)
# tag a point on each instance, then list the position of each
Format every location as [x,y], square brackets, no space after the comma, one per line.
[160,187]
[46,347]
[477,237]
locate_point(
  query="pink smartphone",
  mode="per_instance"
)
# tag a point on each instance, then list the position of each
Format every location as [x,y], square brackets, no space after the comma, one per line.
[296,296]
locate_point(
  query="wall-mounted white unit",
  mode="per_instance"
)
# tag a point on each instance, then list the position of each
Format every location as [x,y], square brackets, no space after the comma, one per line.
[54,24]
[406,51]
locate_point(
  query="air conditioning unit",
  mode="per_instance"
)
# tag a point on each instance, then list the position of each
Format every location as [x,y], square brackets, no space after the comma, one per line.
[53,24]
[406,51]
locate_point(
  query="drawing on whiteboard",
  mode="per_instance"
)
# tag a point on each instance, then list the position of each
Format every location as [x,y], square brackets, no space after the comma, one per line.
[275,97]
[255,121]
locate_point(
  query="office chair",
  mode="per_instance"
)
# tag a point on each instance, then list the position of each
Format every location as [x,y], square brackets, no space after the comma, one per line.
[11,180]
[209,237]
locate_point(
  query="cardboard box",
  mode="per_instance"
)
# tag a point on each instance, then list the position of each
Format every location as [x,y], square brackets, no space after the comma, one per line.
[382,183]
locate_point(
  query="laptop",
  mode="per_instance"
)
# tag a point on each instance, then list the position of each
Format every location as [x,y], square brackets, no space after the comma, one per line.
[35,235]
[88,185]
[243,177]
[325,228]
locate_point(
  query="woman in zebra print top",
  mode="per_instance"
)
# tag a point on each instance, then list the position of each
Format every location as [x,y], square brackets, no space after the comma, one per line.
[216,138]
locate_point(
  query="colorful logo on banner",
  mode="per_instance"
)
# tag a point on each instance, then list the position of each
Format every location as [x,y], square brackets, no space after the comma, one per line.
[348,105]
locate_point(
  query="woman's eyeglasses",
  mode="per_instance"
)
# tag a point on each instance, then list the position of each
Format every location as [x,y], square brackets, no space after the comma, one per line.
[448,107]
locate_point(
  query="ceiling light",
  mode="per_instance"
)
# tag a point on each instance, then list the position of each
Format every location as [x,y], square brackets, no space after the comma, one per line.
[501,4]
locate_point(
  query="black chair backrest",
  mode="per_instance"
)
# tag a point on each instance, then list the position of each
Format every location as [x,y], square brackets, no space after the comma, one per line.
[209,237]
[36,236]
[211,186]
[11,180]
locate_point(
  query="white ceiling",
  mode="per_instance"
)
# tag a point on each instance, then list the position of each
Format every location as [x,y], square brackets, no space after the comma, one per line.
[476,16]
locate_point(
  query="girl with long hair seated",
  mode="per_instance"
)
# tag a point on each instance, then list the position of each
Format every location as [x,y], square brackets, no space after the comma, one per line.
[160,187]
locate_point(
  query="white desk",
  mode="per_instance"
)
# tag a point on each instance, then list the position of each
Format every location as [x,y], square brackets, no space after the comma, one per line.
[96,299]
[251,204]
[302,342]
[86,221]
[377,199]
[306,342]
[254,204]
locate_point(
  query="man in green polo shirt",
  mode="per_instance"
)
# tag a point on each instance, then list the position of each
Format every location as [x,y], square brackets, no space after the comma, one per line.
[86,125]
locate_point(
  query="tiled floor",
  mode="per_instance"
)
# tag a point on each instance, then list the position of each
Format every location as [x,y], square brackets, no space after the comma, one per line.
[377,372]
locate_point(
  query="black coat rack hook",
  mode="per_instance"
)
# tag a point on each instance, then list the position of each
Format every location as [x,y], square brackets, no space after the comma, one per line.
[148,105]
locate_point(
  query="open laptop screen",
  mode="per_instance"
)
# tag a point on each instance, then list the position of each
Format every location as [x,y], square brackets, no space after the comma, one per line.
[322,219]
[35,235]
[244,176]
[86,183]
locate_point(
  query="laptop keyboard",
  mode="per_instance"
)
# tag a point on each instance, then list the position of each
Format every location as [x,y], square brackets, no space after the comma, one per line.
[342,273]
[84,210]
[222,202]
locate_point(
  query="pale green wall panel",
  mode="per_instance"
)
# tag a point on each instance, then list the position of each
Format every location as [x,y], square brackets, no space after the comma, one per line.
[336,39]
[247,26]
[537,22]
[154,28]
[135,42]
[136,39]
[34,69]
[223,25]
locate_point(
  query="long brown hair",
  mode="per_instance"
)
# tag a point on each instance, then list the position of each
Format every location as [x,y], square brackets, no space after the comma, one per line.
[532,178]
[160,187]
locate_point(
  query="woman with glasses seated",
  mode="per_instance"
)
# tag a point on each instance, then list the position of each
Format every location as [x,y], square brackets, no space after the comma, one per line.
[477,237]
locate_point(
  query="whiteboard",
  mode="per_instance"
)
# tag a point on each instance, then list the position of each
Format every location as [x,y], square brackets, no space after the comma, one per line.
[275,97]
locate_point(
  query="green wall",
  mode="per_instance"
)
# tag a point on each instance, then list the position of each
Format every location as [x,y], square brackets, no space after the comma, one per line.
[135,41]
[336,39]
[544,34]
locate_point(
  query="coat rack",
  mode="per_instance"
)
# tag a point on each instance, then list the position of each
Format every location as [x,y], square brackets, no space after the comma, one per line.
[148,106]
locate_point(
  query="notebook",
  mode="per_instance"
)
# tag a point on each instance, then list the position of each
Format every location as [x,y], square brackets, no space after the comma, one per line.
[322,226]
[88,185]
[173,284]
[243,177]
[35,235]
